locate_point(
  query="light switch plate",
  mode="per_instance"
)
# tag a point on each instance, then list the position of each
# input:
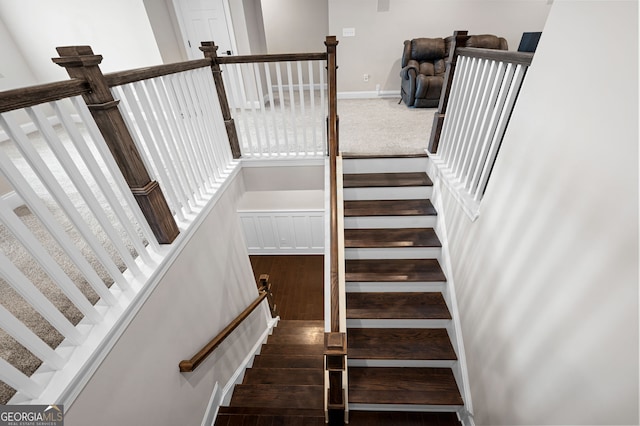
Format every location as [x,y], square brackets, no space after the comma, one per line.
[348,32]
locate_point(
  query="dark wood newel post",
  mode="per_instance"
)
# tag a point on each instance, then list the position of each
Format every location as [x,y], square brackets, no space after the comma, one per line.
[80,62]
[210,51]
[459,39]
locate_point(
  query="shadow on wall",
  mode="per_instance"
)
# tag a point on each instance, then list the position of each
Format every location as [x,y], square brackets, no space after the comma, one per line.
[393,79]
[5,188]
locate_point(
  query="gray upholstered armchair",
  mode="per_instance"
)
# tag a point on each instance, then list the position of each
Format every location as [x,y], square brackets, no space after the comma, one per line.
[423,66]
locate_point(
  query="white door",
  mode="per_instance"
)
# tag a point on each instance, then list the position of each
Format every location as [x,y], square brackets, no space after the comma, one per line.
[203,20]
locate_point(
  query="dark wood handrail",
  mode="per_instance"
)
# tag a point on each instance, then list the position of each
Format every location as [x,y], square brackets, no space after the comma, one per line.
[283,57]
[189,365]
[521,58]
[335,342]
[41,93]
[333,155]
[129,76]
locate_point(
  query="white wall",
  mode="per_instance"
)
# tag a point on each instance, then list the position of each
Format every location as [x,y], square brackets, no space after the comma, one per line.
[117,29]
[163,20]
[377,46]
[207,286]
[547,277]
[14,69]
[295,26]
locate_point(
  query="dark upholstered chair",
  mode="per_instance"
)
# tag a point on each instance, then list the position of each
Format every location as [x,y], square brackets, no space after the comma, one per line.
[423,66]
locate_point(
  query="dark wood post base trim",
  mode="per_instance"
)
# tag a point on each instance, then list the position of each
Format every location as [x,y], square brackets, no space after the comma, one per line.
[436,130]
[232,134]
[155,209]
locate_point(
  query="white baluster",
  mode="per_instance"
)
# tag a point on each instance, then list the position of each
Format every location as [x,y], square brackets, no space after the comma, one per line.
[21,284]
[27,338]
[292,104]
[17,380]
[282,109]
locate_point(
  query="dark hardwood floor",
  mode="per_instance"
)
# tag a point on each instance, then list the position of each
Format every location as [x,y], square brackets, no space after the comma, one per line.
[296,283]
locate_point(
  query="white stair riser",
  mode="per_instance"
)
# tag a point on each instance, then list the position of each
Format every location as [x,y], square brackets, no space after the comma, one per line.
[384,165]
[401,363]
[362,222]
[378,287]
[389,193]
[398,323]
[393,253]
[405,407]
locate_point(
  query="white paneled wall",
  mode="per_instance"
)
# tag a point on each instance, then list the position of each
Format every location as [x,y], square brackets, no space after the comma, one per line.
[283,222]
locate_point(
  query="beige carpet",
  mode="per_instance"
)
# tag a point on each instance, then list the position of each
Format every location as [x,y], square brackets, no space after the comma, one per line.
[382,126]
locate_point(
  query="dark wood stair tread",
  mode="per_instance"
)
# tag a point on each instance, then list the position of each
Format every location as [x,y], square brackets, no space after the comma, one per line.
[414,207]
[401,418]
[302,337]
[300,323]
[393,270]
[292,349]
[284,376]
[278,396]
[386,305]
[379,180]
[267,416]
[288,361]
[391,238]
[400,343]
[267,420]
[403,385]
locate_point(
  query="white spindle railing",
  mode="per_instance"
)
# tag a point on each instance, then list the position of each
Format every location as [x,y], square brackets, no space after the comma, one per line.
[69,181]
[67,177]
[177,124]
[483,94]
[279,108]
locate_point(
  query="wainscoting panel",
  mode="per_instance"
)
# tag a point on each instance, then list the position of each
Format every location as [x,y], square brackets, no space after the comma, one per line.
[282,232]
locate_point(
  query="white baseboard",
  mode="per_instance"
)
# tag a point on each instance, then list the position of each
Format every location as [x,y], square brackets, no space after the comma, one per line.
[212,409]
[227,391]
[373,94]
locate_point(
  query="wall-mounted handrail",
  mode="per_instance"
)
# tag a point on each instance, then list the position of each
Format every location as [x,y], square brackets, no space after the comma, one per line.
[189,365]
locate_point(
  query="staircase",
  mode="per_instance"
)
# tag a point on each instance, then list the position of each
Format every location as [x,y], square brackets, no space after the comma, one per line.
[401,359]
[286,381]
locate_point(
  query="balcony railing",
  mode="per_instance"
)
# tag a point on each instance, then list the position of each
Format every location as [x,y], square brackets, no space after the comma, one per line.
[481,88]
[124,162]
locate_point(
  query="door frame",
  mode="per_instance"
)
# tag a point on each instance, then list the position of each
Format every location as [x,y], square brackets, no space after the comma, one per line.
[183,29]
